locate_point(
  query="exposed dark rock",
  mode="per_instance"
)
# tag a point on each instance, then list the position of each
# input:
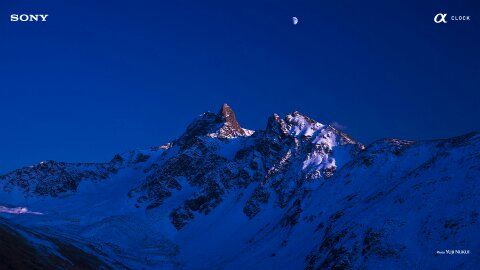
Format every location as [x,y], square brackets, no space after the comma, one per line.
[253,205]
[180,217]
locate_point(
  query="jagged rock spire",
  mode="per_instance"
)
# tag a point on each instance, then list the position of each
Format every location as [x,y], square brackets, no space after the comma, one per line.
[276,125]
[221,125]
[230,123]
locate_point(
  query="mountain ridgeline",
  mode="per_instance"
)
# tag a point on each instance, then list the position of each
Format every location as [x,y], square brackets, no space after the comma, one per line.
[297,195]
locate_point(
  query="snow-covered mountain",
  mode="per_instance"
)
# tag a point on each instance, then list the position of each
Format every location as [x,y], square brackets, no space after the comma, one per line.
[296,195]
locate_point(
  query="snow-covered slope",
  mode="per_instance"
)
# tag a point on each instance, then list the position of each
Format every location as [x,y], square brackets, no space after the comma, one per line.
[296,195]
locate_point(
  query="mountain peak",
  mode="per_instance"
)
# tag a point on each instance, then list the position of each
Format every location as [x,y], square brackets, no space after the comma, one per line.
[226,116]
[229,125]
[226,110]
[222,125]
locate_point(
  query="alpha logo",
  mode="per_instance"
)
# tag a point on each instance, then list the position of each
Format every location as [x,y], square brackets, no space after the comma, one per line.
[28,17]
[440,18]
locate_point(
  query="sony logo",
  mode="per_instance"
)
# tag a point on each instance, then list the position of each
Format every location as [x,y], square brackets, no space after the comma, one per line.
[28,17]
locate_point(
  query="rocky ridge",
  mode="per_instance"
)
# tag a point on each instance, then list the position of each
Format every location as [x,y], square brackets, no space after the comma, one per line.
[297,195]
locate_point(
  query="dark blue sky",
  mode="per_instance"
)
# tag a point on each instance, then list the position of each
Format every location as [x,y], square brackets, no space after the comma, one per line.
[102,77]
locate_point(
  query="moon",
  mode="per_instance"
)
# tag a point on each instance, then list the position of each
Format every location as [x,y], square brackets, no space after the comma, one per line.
[294,20]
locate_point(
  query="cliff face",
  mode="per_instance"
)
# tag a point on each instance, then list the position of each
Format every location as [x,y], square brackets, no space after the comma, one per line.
[297,195]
